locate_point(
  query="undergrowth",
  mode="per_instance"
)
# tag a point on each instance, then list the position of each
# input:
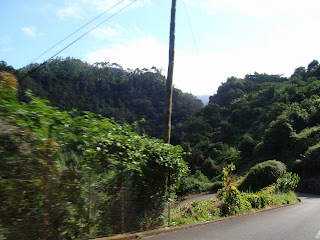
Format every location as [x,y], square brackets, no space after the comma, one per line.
[230,201]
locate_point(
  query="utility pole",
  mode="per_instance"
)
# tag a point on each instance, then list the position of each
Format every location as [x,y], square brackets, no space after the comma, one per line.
[168,104]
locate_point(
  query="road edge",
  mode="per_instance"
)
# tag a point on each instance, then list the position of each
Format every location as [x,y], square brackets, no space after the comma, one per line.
[160,231]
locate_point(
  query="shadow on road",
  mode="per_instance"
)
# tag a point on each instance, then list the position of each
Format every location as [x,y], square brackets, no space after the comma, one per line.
[307,197]
[199,198]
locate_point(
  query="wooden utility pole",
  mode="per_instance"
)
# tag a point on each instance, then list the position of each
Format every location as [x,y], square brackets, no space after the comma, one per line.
[168,104]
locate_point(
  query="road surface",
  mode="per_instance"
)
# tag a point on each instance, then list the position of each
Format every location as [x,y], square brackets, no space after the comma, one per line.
[199,198]
[296,222]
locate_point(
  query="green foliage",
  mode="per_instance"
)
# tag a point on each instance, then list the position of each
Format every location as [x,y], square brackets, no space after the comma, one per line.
[52,163]
[259,199]
[109,90]
[246,146]
[277,134]
[210,168]
[287,183]
[313,65]
[196,212]
[312,156]
[216,186]
[262,175]
[261,117]
[248,120]
[283,198]
[233,201]
[196,183]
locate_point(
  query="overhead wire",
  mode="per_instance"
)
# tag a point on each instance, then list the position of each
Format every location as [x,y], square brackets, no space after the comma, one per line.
[77,30]
[96,26]
[194,40]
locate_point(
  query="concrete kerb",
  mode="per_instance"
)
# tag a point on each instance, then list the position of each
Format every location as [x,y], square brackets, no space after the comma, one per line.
[159,231]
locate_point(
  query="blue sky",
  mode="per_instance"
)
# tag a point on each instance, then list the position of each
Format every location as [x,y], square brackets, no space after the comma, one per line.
[230,37]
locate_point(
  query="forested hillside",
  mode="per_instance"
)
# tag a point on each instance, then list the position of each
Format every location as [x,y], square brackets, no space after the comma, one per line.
[109,90]
[77,177]
[257,118]
[250,120]
[70,172]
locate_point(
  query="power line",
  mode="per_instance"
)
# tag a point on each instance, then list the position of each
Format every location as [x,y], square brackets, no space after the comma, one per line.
[33,70]
[194,41]
[77,30]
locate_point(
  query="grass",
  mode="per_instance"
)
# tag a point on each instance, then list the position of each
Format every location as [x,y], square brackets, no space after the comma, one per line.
[283,198]
[196,211]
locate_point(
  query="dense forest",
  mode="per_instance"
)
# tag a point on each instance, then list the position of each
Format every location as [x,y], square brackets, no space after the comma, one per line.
[257,118]
[107,89]
[67,176]
[249,120]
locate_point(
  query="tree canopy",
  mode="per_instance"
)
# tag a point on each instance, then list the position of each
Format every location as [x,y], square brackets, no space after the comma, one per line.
[107,89]
[257,118]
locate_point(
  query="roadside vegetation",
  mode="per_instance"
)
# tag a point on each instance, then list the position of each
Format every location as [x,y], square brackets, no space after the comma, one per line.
[65,175]
[230,201]
[67,163]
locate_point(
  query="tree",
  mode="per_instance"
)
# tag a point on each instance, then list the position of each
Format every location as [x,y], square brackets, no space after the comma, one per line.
[43,196]
[247,145]
[312,65]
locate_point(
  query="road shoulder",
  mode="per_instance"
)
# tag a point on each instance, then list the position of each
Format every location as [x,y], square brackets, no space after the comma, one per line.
[160,231]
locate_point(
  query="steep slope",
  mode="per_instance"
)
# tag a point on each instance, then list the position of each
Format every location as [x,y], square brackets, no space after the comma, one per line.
[258,118]
[107,89]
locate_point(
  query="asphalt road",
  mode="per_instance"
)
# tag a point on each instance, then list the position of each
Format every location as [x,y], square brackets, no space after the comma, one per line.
[296,222]
[199,198]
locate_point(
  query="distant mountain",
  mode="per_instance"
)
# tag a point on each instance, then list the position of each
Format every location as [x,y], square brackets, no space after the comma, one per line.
[203,98]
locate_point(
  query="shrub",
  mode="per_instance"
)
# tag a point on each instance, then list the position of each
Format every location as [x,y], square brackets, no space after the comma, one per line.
[265,198]
[196,183]
[196,212]
[41,194]
[312,156]
[246,145]
[216,186]
[201,177]
[210,168]
[262,175]
[259,199]
[254,200]
[233,201]
[287,183]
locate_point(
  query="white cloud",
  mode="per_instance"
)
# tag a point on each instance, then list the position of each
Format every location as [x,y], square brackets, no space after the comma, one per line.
[29,31]
[71,11]
[113,5]
[203,72]
[142,52]
[81,8]
[262,8]
[284,48]
[107,32]
[283,51]
[190,2]
[43,9]
[192,73]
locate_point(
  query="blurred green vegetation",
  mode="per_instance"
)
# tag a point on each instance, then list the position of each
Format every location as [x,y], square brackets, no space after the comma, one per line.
[62,174]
